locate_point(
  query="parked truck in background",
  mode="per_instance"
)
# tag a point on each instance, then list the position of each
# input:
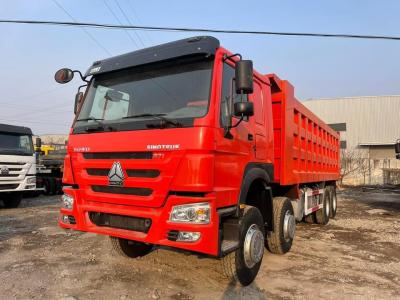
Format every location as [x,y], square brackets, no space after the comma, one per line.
[397,148]
[50,166]
[17,164]
[183,145]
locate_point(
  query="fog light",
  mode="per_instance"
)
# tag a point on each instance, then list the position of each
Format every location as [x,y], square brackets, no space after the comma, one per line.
[67,201]
[65,219]
[31,180]
[188,236]
[198,213]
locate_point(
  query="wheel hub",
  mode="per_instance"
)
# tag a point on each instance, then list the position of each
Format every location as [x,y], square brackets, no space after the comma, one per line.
[253,246]
[289,226]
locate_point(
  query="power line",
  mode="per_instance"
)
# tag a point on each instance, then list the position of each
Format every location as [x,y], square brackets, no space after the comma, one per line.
[184,29]
[139,21]
[84,29]
[127,19]
[119,21]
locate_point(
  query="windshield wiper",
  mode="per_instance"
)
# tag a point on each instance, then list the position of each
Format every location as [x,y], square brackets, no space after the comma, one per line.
[97,120]
[143,115]
[164,121]
[101,126]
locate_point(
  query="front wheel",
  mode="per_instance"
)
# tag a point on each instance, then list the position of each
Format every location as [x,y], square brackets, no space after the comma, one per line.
[244,264]
[13,200]
[130,248]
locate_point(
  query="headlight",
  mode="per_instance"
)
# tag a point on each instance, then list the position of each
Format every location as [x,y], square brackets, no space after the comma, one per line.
[67,201]
[198,213]
[31,180]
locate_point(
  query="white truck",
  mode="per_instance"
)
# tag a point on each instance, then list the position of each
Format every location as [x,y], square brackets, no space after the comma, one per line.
[17,164]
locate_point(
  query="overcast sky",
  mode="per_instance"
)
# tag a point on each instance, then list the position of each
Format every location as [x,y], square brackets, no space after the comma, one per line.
[317,67]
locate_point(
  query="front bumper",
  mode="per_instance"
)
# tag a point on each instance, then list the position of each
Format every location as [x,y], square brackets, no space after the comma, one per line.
[160,224]
[17,185]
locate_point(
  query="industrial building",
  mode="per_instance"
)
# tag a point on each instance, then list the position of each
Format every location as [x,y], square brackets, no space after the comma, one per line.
[369,127]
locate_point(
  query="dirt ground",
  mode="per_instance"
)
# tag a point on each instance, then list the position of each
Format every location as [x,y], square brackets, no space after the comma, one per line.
[357,255]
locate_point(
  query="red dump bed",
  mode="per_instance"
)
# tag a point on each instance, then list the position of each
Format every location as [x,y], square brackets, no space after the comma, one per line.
[306,149]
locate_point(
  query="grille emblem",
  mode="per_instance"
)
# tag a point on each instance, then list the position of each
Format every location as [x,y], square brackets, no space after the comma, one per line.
[116,174]
[4,170]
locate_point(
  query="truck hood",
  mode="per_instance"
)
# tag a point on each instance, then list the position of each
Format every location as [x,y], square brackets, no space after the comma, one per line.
[133,167]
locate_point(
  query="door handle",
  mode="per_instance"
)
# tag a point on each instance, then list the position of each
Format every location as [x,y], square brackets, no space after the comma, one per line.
[250,137]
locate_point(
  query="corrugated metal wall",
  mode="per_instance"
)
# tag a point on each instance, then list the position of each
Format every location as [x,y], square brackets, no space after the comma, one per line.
[370,119]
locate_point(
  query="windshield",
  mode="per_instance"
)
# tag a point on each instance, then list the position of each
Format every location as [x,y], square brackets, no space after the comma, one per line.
[12,144]
[173,90]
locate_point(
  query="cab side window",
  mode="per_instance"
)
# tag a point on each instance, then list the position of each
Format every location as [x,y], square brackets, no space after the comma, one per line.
[228,91]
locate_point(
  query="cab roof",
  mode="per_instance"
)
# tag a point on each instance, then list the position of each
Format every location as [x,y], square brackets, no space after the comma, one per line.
[5,128]
[199,45]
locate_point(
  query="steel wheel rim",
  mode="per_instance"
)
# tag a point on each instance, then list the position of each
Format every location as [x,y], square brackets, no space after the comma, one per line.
[253,249]
[289,226]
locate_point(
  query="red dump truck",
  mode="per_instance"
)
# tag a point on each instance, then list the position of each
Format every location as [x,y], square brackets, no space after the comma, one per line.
[183,145]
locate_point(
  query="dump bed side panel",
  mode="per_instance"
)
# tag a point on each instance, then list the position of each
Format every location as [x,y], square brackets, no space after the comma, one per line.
[306,149]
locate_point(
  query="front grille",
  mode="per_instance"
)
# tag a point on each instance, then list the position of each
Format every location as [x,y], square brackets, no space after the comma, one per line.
[129,172]
[122,190]
[143,173]
[12,163]
[118,155]
[121,222]
[8,186]
[9,175]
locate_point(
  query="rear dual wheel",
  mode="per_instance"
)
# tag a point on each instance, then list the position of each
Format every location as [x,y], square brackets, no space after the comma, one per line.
[280,240]
[333,202]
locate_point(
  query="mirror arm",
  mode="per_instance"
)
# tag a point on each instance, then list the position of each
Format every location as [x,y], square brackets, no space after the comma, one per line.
[226,57]
[80,74]
[237,124]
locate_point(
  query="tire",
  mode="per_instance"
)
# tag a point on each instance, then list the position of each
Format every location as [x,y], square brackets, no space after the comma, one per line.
[128,248]
[46,186]
[333,203]
[52,186]
[58,186]
[13,200]
[280,240]
[240,265]
[310,219]
[322,215]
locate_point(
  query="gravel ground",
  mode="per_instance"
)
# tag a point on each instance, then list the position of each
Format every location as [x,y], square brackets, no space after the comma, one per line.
[357,255]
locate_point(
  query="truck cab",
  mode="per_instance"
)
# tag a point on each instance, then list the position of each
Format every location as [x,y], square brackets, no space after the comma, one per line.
[17,164]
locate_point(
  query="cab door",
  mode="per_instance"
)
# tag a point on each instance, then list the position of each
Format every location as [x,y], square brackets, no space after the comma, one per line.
[235,150]
[258,121]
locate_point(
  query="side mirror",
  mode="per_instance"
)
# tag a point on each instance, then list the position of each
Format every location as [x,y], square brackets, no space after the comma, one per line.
[243,109]
[38,144]
[64,75]
[244,77]
[78,99]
